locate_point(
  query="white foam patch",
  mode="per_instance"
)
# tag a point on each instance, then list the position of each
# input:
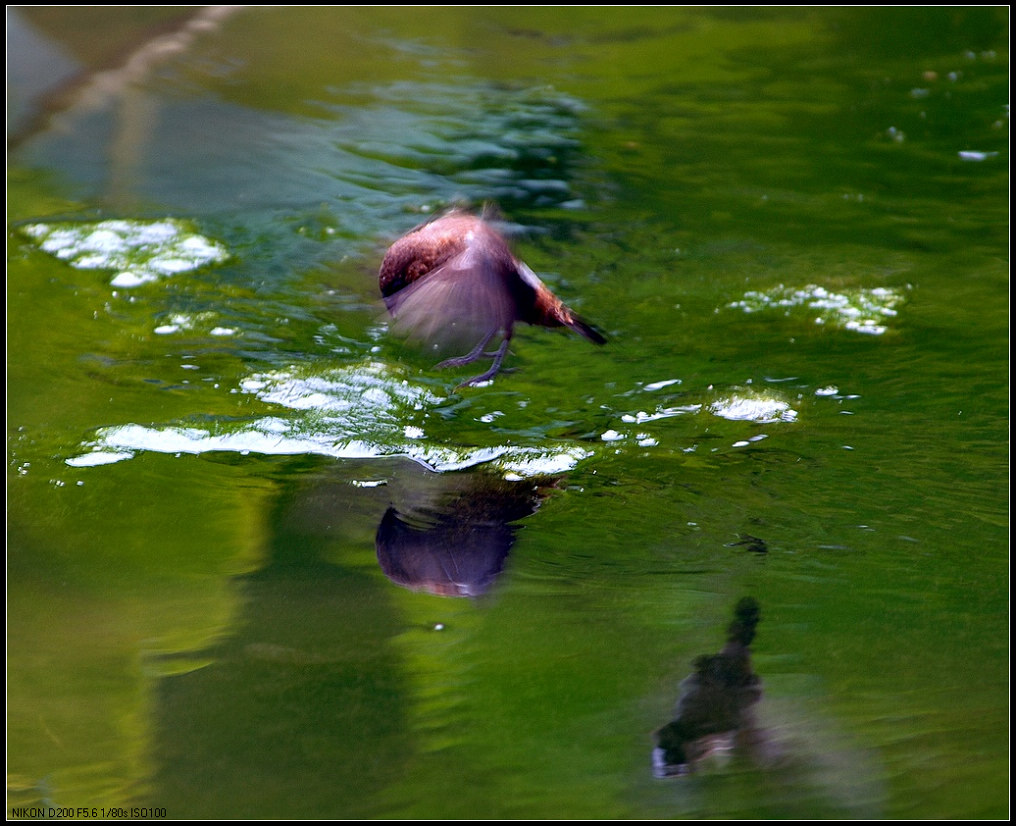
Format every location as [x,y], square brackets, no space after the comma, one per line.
[355,413]
[528,462]
[659,385]
[660,413]
[862,310]
[99,457]
[137,251]
[761,409]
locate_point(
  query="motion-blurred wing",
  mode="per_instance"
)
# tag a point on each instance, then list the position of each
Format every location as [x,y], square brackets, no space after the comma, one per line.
[457,305]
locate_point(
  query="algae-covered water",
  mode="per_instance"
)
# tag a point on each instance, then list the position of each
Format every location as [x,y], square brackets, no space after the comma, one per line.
[263,560]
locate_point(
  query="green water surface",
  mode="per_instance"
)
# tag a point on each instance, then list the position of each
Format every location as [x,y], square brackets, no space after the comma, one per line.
[792,226]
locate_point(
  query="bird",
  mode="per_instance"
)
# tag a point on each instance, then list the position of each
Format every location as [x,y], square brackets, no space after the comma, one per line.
[455,282]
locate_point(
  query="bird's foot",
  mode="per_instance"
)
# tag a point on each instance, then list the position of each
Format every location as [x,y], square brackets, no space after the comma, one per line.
[460,361]
[474,354]
[486,376]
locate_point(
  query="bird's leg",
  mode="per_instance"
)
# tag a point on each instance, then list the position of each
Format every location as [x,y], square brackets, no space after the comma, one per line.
[498,358]
[472,355]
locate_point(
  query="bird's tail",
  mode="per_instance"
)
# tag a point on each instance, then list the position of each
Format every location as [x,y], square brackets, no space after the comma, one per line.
[585,330]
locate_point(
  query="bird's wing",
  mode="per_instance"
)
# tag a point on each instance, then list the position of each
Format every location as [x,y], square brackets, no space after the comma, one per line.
[457,304]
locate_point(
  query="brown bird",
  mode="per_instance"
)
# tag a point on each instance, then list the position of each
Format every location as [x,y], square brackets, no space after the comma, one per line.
[454,281]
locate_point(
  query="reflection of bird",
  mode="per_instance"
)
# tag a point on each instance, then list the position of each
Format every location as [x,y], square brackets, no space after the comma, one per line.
[715,707]
[454,281]
[451,538]
[445,557]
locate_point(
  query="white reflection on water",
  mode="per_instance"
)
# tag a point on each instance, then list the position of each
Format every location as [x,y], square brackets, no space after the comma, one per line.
[973,155]
[357,413]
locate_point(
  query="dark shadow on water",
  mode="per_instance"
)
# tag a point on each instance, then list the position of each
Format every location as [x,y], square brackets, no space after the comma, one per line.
[715,713]
[775,757]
